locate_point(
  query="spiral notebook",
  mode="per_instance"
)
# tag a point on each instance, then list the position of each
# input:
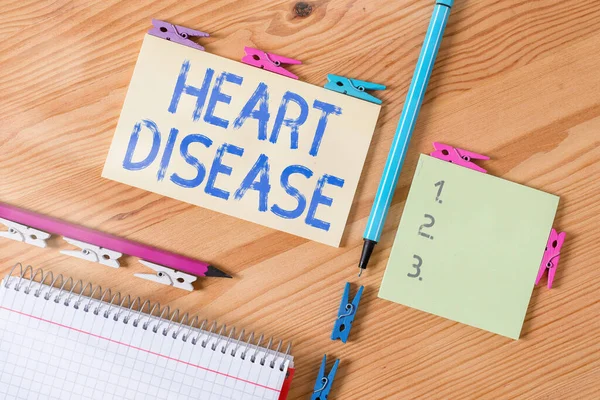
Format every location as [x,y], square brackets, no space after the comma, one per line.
[64,340]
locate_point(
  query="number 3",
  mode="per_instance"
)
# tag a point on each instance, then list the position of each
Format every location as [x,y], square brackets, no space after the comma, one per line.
[417,266]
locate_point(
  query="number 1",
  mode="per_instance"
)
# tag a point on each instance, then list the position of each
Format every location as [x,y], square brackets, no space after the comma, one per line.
[439,193]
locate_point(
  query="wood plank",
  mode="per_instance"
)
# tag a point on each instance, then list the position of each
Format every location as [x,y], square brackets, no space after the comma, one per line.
[515,79]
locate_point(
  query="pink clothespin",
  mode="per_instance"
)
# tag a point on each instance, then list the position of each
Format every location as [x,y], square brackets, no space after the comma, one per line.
[176,33]
[458,156]
[270,62]
[551,257]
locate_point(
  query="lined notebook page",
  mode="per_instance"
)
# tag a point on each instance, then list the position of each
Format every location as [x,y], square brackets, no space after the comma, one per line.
[49,350]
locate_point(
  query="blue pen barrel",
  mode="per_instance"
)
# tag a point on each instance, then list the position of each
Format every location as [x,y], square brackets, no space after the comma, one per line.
[406,125]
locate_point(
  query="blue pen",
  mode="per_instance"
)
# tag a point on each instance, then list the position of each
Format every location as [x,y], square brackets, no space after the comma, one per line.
[406,126]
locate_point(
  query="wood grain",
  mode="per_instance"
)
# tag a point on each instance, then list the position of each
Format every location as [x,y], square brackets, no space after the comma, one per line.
[515,79]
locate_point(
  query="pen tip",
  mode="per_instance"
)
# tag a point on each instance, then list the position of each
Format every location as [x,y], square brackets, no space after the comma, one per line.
[368,247]
[360,272]
[216,273]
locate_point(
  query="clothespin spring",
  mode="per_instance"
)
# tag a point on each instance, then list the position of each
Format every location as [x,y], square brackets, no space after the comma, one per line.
[325,381]
[549,264]
[276,63]
[349,311]
[162,275]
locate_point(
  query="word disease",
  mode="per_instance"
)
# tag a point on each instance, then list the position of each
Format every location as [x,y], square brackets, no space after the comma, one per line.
[262,175]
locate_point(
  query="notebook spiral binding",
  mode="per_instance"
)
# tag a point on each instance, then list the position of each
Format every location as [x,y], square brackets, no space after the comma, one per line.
[119,306]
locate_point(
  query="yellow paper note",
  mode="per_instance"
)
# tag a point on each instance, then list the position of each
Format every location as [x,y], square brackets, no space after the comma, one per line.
[242,141]
[469,247]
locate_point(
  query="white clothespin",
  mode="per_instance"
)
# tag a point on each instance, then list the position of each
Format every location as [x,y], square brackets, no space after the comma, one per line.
[93,253]
[168,276]
[23,233]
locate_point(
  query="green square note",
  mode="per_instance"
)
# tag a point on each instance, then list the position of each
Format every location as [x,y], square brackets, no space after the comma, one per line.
[479,247]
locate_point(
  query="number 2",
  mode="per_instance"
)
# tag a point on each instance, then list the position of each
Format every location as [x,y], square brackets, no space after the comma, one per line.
[417,267]
[429,225]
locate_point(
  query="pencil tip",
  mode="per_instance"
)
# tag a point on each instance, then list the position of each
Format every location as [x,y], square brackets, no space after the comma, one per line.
[216,273]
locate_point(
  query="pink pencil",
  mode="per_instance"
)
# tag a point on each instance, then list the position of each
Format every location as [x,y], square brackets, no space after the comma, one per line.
[128,247]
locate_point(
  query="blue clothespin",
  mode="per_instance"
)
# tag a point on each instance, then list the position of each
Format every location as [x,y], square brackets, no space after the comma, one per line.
[323,384]
[353,87]
[346,314]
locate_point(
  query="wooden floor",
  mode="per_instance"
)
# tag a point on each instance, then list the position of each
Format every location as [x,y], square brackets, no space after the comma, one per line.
[518,80]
